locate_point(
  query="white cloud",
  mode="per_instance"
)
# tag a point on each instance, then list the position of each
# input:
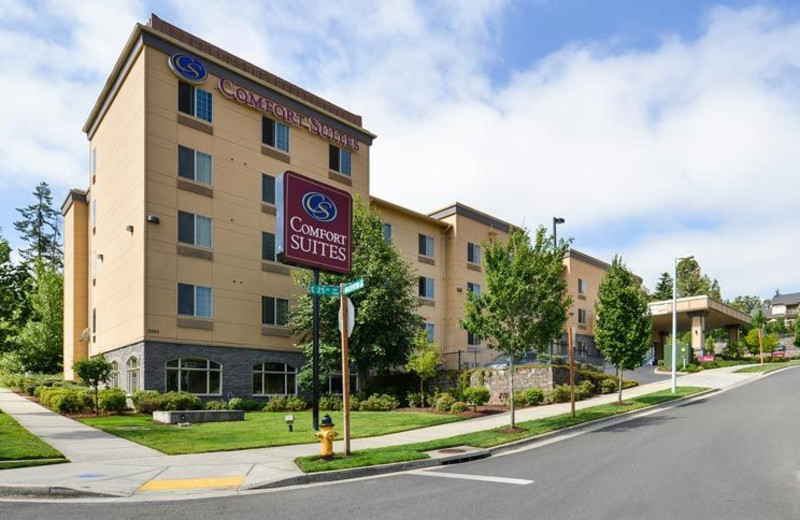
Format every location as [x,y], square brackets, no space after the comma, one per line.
[688,147]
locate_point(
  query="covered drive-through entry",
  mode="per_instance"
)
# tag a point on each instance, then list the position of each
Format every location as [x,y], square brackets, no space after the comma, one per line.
[698,314]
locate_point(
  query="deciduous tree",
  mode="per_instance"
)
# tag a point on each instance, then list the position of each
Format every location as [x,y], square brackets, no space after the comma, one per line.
[94,372]
[623,327]
[40,342]
[524,306]
[423,361]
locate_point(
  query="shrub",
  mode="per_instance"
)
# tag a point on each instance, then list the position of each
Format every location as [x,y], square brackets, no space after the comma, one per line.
[559,360]
[584,390]
[330,403]
[296,404]
[559,394]
[533,396]
[275,404]
[608,386]
[459,407]
[181,401]
[519,400]
[112,400]
[444,402]
[414,400]
[379,403]
[476,395]
[248,405]
[66,400]
[355,403]
[147,401]
[216,405]
[285,404]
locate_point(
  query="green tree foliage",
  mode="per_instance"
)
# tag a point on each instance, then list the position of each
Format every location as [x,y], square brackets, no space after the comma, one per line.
[15,308]
[759,320]
[623,327]
[424,360]
[40,342]
[796,334]
[94,372]
[525,302]
[39,227]
[747,304]
[770,340]
[663,290]
[386,308]
[778,326]
[692,282]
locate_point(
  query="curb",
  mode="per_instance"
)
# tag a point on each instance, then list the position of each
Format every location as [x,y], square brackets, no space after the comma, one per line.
[397,467]
[50,492]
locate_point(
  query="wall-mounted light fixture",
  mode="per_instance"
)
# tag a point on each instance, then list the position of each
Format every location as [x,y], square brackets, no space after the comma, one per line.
[153,219]
[129,228]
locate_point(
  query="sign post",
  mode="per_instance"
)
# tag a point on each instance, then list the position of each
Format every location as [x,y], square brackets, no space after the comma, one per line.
[344,321]
[571,370]
[314,229]
[761,344]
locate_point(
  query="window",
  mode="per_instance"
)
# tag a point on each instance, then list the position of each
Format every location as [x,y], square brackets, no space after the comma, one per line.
[94,161]
[194,165]
[195,230]
[426,245]
[267,188]
[335,383]
[581,349]
[267,246]
[581,286]
[113,380]
[94,213]
[582,316]
[133,375]
[473,287]
[431,330]
[387,232]
[472,339]
[194,101]
[426,287]
[275,134]
[339,160]
[473,253]
[94,321]
[274,311]
[197,376]
[194,300]
[274,379]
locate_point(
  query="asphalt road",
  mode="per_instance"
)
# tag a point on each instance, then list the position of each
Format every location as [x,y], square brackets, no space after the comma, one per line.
[644,375]
[734,455]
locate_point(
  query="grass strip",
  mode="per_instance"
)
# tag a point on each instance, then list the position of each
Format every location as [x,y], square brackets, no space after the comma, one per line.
[30,463]
[18,444]
[258,430]
[490,438]
[766,367]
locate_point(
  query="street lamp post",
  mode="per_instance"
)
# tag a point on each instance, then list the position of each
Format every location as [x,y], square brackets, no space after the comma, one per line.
[675,323]
[556,221]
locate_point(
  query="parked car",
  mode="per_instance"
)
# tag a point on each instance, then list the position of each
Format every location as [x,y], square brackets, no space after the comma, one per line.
[649,361]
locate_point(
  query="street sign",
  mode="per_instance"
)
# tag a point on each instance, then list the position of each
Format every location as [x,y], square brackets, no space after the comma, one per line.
[351,317]
[323,290]
[354,286]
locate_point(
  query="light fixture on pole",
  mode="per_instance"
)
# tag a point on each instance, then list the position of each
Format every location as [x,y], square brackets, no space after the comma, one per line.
[675,322]
[556,221]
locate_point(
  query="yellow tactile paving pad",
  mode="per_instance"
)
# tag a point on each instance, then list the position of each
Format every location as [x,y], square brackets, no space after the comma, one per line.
[193,483]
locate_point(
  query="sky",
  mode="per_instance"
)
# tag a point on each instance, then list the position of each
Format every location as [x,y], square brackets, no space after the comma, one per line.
[656,128]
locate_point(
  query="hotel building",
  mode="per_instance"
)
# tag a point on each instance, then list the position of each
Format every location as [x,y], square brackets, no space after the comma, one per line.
[170,264]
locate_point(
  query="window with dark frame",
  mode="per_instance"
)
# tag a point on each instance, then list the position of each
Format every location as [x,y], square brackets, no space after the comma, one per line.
[581,286]
[426,289]
[195,102]
[267,188]
[194,165]
[195,301]
[582,316]
[473,253]
[274,379]
[426,245]
[274,311]
[275,134]
[387,232]
[267,246]
[194,375]
[195,230]
[339,160]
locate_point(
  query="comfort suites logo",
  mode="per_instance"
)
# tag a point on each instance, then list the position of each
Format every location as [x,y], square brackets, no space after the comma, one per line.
[188,67]
[319,207]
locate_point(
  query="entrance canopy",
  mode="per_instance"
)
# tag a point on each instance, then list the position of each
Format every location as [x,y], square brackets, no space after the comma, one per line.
[715,313]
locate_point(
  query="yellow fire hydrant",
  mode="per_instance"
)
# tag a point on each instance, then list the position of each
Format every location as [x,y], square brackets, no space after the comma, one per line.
[326,437]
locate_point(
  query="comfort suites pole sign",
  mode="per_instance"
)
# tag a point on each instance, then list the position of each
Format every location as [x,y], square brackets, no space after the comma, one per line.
[314,225]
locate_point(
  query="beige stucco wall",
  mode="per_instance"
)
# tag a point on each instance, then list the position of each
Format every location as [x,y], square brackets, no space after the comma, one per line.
[76,285]
[235,274]
[118,189]
[575,269]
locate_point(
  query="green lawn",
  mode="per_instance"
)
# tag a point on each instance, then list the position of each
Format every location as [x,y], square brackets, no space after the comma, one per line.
[258,430]
[766,367]
[18,446]
[488,438]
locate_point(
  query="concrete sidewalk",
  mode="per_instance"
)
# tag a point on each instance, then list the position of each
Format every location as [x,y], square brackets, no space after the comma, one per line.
[105,465]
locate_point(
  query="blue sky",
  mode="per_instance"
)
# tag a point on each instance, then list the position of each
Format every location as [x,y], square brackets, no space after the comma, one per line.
[655,128]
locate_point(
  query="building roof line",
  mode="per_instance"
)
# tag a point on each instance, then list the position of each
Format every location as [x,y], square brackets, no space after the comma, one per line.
[410,212]
[458,208]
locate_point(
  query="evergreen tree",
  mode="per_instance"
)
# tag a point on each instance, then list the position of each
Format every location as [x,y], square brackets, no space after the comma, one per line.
[14,304]
[692,281]
[525,302]
[747,304]
[623,327]
[386,320]
[39,228]
[663,289]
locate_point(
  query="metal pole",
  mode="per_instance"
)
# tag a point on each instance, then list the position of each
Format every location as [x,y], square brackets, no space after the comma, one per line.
[345,373]
[555,249]
[459,359]
[675,329]
[761,344]
[315,357]
[570,342]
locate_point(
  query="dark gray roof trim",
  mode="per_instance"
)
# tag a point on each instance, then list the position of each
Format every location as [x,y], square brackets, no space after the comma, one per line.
[786,299]
[583,257]
[73,196]
[460,209]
